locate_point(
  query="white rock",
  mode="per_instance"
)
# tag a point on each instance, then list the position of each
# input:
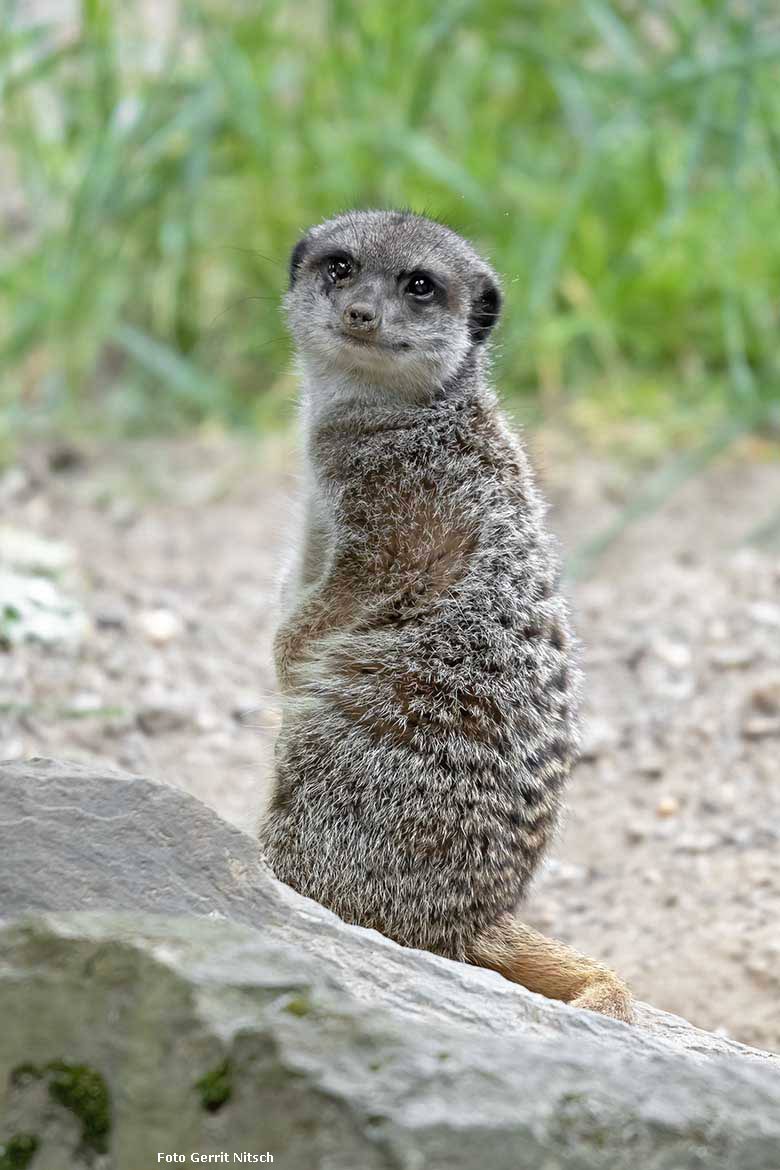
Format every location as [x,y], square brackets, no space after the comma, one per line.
[160,626]
[85,703]
[29,553]
[765,613]
[650,763]
[34,609]
[599,737]
[733,656]
[674,654]
[161,711]
[765,697]
[668,806]
[761,726]
[11,749]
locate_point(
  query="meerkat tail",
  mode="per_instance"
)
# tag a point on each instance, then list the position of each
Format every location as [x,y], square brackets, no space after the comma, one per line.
[549,967]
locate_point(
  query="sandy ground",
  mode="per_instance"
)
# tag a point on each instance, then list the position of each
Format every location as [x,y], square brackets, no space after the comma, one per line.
[669,863]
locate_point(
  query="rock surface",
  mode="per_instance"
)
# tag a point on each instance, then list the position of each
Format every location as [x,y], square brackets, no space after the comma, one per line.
[161,992]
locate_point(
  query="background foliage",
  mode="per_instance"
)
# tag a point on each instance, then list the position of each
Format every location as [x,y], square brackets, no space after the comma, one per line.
[619,162]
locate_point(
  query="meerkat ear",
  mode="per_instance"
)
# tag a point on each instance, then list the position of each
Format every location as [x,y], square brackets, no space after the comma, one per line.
[296,259]
[485,310]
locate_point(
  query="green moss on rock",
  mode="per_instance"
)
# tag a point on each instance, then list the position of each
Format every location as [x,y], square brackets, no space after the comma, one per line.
[80,1089]
[298,1005]
[84,1091]
[18,1151]
[216,1087]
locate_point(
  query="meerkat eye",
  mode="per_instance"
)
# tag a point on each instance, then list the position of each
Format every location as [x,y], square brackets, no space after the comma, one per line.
[421,287]
[339,268]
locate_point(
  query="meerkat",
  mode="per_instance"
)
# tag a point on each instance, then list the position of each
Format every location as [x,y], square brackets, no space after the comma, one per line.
[424,656]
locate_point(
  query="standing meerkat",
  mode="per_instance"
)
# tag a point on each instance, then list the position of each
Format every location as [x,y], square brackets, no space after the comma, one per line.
[424,654]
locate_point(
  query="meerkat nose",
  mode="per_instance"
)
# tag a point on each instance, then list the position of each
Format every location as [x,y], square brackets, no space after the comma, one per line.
[360,318]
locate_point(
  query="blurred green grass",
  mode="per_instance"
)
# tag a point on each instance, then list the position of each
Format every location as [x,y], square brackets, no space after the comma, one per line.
[619,162]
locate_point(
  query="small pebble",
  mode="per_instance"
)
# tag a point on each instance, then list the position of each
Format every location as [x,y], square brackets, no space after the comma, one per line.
[732,657]
[766,696]
[28,552]
[110,617]
[718,630]
[123,513]
[651,765]
[760,726]
[599,736]
[14,483]
[65,456]
[85,703]
[160,711]
[676,655]
[160,626]
[566,871]
[668,806]
[11,749]
[697,843]
[765,613]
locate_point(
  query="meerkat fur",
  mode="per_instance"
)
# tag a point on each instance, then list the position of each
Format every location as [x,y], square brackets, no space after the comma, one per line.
[426,664]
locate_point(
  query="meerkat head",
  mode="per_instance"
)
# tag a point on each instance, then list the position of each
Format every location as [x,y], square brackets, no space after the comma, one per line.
[389,302]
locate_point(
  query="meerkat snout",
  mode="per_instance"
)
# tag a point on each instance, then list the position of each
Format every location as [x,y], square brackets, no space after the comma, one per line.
[361,318]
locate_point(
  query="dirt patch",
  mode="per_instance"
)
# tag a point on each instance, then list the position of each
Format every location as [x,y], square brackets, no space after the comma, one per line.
[669,864]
